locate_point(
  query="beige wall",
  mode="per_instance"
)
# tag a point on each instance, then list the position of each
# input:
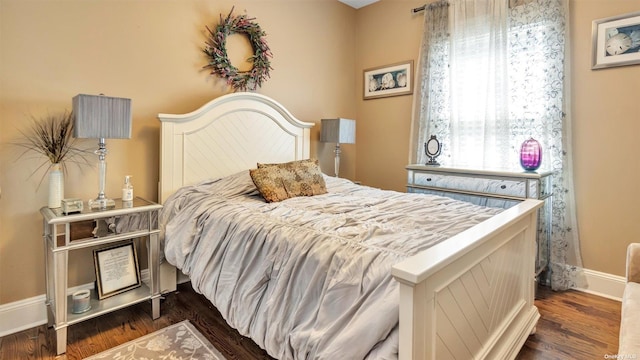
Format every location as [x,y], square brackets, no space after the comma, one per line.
[387,32]
[606,124]
[52,50]
[150,52]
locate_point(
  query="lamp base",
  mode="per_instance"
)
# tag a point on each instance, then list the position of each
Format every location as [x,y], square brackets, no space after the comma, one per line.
[336,161]
[101,204]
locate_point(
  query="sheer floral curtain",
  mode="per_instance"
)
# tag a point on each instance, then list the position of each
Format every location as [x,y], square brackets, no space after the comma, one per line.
[490,76]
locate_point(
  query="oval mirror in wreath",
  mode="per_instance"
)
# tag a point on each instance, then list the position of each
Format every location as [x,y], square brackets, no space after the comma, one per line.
[240,51]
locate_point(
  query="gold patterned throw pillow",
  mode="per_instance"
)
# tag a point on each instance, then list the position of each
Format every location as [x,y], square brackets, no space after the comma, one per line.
[270,184]
[277,182]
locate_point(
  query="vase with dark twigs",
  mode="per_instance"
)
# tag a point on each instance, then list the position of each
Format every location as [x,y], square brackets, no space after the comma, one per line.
[51,137]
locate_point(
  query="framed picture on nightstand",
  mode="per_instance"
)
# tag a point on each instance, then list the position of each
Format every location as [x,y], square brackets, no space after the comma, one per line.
[117,269]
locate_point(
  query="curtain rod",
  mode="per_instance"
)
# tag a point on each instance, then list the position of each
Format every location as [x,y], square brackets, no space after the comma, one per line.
[418,9]
[430,6]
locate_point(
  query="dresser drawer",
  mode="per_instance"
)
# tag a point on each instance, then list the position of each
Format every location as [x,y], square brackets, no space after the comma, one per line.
[500,187]
[450,182]
[514,188]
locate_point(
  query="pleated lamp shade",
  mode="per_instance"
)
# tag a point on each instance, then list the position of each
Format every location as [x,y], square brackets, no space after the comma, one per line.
[340,131]
[101,117]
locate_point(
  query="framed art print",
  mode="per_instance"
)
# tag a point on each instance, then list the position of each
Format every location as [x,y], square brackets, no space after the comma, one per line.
[117,269]
[616,41]
[390,80]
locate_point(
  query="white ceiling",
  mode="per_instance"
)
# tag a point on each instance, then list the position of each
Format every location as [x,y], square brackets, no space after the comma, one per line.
[357,4]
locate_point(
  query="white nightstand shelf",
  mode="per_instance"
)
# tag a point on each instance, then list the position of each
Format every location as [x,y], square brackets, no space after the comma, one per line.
[101,307]
[63,234]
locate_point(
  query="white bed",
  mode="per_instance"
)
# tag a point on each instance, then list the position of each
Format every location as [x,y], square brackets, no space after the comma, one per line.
[484,276]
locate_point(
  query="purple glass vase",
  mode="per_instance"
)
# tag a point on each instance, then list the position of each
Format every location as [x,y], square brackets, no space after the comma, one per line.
[530,155]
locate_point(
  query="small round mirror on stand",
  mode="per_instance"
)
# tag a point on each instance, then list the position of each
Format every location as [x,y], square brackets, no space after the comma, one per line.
[432,149]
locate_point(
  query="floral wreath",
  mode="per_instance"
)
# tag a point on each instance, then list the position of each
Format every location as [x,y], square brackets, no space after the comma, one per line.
[219,60]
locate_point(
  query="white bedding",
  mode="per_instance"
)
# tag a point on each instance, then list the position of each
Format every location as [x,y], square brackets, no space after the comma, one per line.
[308,277]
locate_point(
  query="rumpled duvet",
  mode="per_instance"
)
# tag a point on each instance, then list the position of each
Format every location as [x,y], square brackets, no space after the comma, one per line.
[308,277]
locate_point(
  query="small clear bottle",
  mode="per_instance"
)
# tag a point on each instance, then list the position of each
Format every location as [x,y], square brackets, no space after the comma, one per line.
[127,189]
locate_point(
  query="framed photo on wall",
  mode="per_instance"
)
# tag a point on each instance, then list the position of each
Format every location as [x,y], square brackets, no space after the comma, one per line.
[390,80]
[616,41]
[117,269]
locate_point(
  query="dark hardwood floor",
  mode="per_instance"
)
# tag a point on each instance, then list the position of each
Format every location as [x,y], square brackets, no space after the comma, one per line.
[574,325]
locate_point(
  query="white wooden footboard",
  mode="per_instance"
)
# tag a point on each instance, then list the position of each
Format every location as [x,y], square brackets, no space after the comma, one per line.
[471,297]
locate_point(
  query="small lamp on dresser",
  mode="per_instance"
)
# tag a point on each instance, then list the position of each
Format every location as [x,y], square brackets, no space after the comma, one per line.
[101,117]
[339,131]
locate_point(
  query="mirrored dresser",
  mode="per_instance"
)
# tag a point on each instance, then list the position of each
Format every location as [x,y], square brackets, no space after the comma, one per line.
[491,187]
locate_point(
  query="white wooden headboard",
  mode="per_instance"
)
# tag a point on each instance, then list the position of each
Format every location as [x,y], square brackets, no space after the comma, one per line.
[227,135]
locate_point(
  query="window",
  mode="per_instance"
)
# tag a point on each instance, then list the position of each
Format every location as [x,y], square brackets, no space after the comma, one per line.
[483,93]
[500,85]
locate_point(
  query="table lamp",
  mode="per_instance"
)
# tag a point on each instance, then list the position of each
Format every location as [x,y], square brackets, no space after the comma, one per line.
[339,131]
[101,117]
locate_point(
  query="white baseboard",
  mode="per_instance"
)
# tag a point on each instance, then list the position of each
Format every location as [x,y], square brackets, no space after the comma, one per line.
[22,315]
[603,284]
[28,313]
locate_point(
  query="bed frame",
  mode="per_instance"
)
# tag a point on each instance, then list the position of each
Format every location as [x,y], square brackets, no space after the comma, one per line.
[470,297]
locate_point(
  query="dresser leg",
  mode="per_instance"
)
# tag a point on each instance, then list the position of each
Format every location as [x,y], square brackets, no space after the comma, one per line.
[155,307]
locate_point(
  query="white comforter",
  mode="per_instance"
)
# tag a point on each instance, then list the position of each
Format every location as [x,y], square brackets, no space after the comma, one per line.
[308,277]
